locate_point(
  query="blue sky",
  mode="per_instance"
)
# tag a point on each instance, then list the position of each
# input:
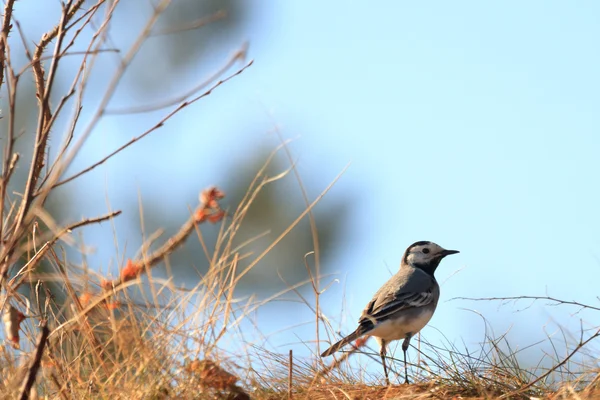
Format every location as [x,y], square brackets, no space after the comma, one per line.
[471,124]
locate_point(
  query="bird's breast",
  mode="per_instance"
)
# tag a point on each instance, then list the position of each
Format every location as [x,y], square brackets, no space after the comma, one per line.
[397,327]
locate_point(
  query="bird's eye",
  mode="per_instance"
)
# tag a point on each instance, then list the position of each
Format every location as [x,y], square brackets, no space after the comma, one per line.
[425,251]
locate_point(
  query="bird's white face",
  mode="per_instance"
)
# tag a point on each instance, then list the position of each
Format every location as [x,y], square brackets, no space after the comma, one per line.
[424,253]
[425,256]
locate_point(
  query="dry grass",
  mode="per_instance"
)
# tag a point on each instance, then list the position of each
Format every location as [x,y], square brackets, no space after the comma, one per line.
[139,337]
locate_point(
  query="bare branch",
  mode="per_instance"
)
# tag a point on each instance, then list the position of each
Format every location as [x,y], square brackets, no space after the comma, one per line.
[534,298]
[36,362]
[48,245]
[209,210]
[240,54]
[111,88]
[6,26]
[43,128]
[199,23]
[155,127]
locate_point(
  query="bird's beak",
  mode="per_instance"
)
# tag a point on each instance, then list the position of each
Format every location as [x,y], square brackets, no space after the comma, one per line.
[448,252]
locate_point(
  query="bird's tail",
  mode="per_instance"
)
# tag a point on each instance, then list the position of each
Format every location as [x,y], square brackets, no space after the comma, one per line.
[353,336]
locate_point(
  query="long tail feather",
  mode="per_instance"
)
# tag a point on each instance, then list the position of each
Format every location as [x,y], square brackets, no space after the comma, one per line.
[353,336]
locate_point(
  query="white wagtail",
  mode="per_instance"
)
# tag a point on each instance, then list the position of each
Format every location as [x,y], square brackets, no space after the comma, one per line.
[404,304]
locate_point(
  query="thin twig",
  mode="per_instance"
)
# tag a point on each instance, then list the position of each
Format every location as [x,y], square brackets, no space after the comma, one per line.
[338,361]
[43,128]
[315,280]
[44,88]
[79,85]
[579,346]
[199,23]
[10,135]
[35,365]
[125,61]
[291,226]
[238,55]
[89,331]
[534,298]
[6,25]
[209,210]
[291,375]
[48,245]
[155,127]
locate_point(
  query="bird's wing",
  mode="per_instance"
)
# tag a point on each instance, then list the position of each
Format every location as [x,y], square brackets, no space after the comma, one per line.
[397,295]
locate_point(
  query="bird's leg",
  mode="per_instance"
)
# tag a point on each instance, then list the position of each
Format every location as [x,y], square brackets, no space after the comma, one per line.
[404,349]
[382,352]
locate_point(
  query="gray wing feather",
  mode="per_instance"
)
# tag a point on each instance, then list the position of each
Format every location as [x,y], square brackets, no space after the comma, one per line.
[409,288]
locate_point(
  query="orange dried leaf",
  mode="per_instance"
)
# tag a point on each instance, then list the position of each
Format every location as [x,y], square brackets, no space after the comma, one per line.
[210,196]
[205,197]
[200,215]
[113,305]
[216,216]
[131,271]
[193,366]
[218,194]
[213,376]
[85,298]
[106,284]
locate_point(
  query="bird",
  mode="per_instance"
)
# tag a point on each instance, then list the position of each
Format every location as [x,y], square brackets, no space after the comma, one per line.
[404,304]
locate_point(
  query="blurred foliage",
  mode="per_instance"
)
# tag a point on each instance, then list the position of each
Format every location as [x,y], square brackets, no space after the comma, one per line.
[189,34]
[173,49]
[220,19]
[274,209]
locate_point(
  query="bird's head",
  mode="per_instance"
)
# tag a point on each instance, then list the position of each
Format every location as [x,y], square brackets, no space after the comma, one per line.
[425,255]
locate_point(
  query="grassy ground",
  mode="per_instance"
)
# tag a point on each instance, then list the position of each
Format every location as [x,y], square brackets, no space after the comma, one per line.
[140,337]
[73,333]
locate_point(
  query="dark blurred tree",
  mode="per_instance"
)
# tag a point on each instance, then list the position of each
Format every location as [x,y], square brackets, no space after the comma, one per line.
[274,209]
[190,34]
